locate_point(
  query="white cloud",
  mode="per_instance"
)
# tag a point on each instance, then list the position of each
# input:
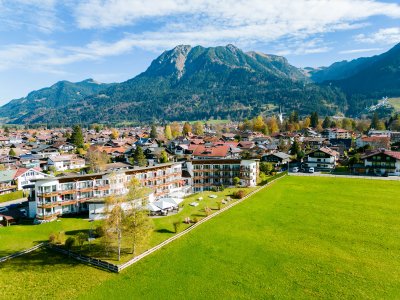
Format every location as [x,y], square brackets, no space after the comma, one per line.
[28,14]
[382,36]
[352,51]
[246,21]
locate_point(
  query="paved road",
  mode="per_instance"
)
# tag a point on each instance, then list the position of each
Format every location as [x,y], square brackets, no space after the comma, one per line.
[318,174]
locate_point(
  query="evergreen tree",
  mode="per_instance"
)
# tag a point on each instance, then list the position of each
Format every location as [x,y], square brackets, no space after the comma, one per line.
[153,132]
[375,121]
[77,136]
[314,119]
[12,152]
[327,122]
[295,149]
[139,157]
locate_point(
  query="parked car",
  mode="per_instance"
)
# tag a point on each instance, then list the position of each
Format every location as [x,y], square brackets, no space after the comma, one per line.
[3,209]
[295,170]
[311,170]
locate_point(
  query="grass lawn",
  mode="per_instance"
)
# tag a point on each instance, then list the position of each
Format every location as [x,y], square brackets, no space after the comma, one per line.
[19,237]
[302,237]
[163,226]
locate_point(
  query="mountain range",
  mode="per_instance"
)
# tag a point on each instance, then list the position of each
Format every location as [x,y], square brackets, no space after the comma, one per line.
[192,83]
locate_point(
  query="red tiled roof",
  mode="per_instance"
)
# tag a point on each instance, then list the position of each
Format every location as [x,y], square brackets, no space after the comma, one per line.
[375,139]
[211,151]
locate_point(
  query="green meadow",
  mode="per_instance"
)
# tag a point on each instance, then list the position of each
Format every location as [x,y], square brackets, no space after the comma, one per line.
[301,237]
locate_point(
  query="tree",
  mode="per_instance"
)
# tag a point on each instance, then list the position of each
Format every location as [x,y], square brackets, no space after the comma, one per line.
[163,156]
[96,159]
[139,157]
[347,124]
[168,132]
[245,154]
[69,243]
[236,181]
[266,167]
[326,123]
[187,128]
[12,152]
[198,128]
[175,129]
[306,122]
[114,134]
[314,119]
[113,224]
[258,123]
[177,224]
[77,136]
[295,148]
[272,125]
[81,238]
[137,224]
[153,132]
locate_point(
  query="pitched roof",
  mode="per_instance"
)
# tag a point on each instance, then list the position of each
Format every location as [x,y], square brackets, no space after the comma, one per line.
[393,154]
[211,151]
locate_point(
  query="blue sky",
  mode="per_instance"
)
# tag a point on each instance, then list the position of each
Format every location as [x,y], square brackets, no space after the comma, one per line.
[44,41]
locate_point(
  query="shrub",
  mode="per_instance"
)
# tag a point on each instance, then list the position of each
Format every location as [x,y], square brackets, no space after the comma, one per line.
[52,238]
[177,225]
[207,210]
[81,238]
[59,238]
[99,231]
[69,243]
[219,204]
[195,220]
[239,194]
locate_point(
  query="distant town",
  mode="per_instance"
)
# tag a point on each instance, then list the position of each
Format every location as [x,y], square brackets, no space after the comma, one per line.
[61,171]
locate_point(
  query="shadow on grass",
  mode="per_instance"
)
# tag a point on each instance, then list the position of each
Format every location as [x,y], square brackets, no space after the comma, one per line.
[163,230]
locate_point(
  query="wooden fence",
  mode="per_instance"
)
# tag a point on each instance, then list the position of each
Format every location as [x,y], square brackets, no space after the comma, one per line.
[16,254]
[85,259]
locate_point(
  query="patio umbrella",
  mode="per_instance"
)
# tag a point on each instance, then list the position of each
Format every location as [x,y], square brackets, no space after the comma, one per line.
[163,204]
[152,207]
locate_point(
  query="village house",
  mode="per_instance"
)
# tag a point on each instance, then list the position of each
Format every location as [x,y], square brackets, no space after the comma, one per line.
[19,179]
[278,158]
[322,159]
[65,162]
[375,142]
[379,162]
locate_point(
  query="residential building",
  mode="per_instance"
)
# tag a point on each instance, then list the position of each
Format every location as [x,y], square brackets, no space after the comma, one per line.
[210,173]
[19,179]
[375,142]
[278,158]
[379,162]
[322,159]
[65,162]
[71,194]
